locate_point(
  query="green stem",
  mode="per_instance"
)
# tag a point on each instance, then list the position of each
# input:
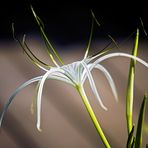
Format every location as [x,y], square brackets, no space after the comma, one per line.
[92,115]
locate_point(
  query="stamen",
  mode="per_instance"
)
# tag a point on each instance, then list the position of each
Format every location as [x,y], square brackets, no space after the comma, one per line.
[53,60]
[28,52]
[47,42]
[35,56]
[90,38]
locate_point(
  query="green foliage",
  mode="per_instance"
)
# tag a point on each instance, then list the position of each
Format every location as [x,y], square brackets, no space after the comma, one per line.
[130,87]
[130,140]
[138,142]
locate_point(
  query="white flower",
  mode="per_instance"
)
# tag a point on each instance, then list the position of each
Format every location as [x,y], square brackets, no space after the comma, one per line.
[74,74]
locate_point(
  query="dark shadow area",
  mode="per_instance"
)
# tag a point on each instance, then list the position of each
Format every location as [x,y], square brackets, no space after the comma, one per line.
[69,21]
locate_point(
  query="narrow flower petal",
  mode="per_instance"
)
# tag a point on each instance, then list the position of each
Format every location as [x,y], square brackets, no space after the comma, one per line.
[40,89]
[120,54]
[92,84]
[15,93]
[48,74]
[109,78]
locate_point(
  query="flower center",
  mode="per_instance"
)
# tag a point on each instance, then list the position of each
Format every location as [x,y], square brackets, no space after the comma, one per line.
[74,71]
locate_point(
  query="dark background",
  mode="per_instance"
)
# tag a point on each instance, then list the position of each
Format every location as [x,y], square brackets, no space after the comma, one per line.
[69,21]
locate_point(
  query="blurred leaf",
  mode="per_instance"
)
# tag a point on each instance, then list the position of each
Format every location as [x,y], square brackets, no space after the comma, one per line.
[133,143]
[130,139]
[138,143]
[145,128]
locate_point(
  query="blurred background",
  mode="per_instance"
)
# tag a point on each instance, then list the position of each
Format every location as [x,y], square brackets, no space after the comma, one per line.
[65,122]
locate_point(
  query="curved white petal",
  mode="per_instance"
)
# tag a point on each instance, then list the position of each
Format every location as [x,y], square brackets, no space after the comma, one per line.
[92,84]
[109,78]
[40,89]
[119,54]
[56,73]
[15,93]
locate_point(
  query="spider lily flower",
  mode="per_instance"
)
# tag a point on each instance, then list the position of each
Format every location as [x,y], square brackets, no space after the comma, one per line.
[74,74]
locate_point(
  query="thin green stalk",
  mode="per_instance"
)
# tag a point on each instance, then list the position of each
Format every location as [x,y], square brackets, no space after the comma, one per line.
[92,115]
[130,88]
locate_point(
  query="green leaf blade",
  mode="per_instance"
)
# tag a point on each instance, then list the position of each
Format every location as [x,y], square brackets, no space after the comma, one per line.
[130,139]
[138,143]
[130,87]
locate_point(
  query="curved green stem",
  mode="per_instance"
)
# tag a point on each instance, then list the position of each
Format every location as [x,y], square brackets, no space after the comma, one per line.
[92,115]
